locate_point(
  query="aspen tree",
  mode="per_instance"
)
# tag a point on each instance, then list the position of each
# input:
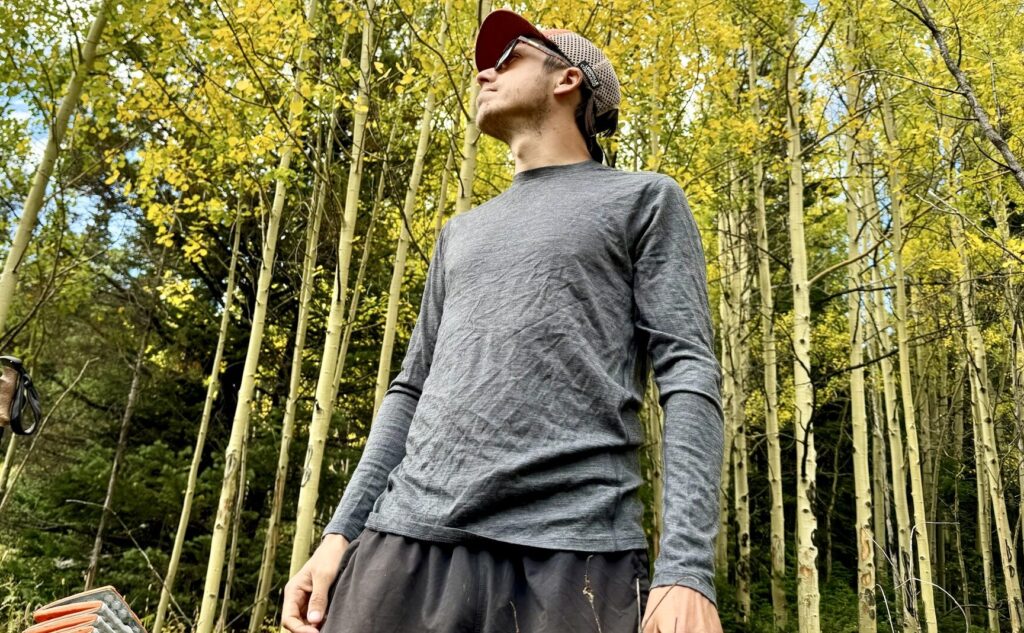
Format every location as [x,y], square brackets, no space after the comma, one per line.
[735,294]
[879,469]
[442,195]
[984,519]
[652,416]
[5,469]
[923,397]
[353,307]
[728,390]
[903,571]
[36,196]
[924,563]
[806,457]
[855,182]
[653,419]
[957,414]
[321,186]
[989,461]
[236,523]
[904,568]
[467,171]
[770,365]
[402,248]
[246,390]
[326,387]
[212,389]
[1012,290]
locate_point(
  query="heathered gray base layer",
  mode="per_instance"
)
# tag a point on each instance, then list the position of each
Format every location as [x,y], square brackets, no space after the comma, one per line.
[514,417]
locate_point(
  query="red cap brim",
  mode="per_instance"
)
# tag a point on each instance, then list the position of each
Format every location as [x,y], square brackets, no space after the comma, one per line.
[499,28]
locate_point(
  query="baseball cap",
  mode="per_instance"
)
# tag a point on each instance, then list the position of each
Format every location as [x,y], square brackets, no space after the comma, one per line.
[502,26]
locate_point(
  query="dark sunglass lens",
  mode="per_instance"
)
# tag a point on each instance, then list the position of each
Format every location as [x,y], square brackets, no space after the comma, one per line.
[503,59]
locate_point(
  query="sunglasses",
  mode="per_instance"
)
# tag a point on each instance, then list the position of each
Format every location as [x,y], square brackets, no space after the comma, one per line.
[506,55]
[589,76]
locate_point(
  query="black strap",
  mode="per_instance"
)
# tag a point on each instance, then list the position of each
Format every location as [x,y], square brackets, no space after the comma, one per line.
[24,394]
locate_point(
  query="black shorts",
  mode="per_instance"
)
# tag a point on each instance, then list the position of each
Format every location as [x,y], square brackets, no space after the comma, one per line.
[388,583]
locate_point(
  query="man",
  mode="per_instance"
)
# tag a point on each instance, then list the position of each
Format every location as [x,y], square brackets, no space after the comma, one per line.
[498,487]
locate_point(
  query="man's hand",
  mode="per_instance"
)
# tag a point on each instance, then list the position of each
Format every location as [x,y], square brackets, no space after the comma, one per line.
[305,595]
[678,609]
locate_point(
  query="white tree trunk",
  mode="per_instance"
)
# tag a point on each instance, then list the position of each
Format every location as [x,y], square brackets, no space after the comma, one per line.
[467,172]
[855,185]
[808,595]
[240,423]
[770,364]
[269,555]
[988,448]
[402,248]
[212,388]
[35,199]
[326,386]
[924,564]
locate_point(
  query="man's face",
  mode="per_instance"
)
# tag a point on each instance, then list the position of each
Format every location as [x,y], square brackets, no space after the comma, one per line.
[516,98]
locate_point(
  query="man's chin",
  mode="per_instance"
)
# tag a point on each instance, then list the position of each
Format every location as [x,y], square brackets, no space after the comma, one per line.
[490,125]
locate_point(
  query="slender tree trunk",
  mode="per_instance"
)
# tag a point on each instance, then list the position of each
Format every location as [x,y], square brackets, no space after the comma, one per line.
[402,249]
[36,195]
[906,594]
[855,200]
[122,441]
[728,393]
[1016,336]
[880,492]
[738,299]
[269,556]
[957,414]
[467,172]
[808,595]
[246,391]
[212,389]
[5,470]
[326,388]
[236,523]
[984,521]
[989,461]
[442,194]
[924,564]
[653,419]
[903,571]
[770,364]
[353,304]
[924,405]
[353,308]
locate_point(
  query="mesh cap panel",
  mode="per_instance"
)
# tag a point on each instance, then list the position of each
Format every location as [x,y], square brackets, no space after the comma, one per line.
[582,52]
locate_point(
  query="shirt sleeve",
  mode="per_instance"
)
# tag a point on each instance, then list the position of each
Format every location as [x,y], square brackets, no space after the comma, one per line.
[385,446]
[672,313]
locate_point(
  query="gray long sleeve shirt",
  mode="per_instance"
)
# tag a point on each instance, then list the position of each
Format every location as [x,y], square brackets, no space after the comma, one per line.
[514,416]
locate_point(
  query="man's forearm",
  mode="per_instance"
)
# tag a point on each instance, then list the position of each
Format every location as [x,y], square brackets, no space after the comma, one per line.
[693,447]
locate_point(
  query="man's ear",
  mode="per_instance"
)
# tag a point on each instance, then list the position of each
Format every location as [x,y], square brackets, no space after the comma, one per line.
[568,80]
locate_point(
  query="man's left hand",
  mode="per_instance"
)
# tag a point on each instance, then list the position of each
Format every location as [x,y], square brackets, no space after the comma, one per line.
[678,609]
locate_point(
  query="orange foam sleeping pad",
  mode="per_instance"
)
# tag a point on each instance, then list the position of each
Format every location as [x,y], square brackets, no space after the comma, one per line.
[49,613]
[66,624]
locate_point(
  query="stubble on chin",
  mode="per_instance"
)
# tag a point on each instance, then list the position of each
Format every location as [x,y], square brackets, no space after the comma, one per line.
[491,123]
[506,124]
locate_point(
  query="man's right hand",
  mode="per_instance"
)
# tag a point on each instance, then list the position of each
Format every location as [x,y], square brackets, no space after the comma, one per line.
[305,595]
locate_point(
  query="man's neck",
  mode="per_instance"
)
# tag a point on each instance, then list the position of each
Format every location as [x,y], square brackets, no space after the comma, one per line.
[548,145]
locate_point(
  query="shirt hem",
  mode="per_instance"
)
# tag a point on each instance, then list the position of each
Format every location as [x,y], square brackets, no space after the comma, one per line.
[444,534]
